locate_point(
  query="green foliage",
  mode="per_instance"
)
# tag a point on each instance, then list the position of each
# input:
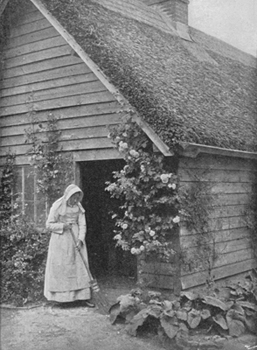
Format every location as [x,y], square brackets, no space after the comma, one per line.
[6,188]
[251,218]
[149,214]
[197,203]
[231,310]
[53,170]
[23,255]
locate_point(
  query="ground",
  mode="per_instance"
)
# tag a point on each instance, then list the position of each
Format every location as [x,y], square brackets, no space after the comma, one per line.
[47,326]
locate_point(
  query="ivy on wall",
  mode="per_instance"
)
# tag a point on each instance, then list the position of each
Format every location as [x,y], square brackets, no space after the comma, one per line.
[52,168]
[6,188]
[197,204]
[23,245]
[251,218]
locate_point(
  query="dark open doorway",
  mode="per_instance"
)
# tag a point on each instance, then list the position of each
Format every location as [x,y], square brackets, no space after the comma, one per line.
[105,259]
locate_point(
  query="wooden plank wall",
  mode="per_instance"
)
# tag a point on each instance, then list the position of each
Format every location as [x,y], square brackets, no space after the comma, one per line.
[42,73]
[230,181]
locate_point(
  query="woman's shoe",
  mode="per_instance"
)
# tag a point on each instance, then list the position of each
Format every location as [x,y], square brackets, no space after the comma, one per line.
[89,304]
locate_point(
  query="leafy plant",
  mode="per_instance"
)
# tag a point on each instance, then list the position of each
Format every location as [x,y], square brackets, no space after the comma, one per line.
[23,255]
[232,312]
[47,159]
[149,215]
[251,218]
[6,188]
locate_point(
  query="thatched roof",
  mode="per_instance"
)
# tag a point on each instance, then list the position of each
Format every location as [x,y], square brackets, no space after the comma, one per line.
[203,93]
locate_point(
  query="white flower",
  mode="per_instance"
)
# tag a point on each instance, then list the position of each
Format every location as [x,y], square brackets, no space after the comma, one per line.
[134,153]
[176,219]
[124,226]
[118,237]
[173,186]
[152,233]
[135,251]
[122,146]
[164,178]
[142,167]
[142,248]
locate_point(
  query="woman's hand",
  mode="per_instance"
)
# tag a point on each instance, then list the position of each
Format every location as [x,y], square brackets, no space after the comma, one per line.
[67,226]
[79,245]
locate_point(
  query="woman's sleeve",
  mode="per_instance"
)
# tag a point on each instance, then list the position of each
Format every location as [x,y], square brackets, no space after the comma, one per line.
[82,226]
[52,222]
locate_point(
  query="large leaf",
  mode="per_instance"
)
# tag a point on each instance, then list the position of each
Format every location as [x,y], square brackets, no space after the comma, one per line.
[220,320]
[215,302]
[182,314]
[236,314]
[167,305]
[170,327]
[205,313]
[126,301]
[130,315]
[236,326]
[190,295]
[114,312]
[182,336]
[154,310]
[136,322]
[194,318]
[169,313]
[238,309]
[247,305]
[251,324]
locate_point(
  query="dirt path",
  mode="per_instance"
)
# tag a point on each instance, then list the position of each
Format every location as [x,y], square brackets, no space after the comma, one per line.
[45,328]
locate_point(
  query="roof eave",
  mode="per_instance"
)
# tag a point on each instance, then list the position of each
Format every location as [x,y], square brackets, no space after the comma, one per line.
[192,150]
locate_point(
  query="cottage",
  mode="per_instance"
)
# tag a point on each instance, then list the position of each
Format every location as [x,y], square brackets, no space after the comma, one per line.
[90,62]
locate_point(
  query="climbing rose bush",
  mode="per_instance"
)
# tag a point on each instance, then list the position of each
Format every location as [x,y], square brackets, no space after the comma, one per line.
[149,214]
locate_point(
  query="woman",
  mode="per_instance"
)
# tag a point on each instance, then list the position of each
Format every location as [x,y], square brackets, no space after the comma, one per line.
[66,278]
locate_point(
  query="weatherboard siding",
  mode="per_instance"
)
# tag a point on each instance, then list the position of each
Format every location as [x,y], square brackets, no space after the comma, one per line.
[230,181]
[41,73]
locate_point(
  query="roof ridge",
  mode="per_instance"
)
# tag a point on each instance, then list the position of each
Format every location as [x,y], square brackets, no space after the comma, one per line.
[223,48]
[139,11]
